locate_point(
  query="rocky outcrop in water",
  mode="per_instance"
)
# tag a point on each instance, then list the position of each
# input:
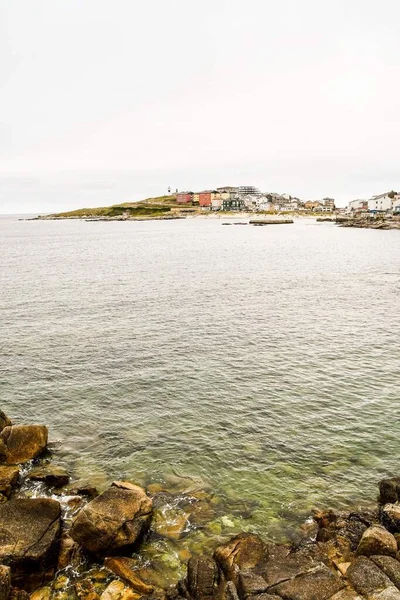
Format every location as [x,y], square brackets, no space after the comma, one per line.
[350,556]
[115,519]
[367,223]
[20,443]
[29,537]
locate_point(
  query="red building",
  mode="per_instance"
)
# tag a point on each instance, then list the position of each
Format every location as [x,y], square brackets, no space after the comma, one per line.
[205,198]
[184,197]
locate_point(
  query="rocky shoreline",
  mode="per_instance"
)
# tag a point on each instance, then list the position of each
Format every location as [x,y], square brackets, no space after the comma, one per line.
[367,223]
[64,540]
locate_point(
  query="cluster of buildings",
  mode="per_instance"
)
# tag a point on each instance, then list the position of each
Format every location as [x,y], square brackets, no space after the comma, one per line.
[382,204]
[250,198]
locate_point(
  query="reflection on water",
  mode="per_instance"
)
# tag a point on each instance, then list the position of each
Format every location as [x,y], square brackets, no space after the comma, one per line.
[260,362]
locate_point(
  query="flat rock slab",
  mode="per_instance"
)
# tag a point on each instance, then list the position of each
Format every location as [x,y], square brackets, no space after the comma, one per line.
[318,584]
[367,578]
[251,584]
[51,475]
[278,570]
[390,566]
[22,443]
[115,519]
[8,479]
[29,531]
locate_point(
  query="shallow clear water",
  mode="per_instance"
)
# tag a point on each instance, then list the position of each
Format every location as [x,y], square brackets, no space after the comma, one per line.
[264,361]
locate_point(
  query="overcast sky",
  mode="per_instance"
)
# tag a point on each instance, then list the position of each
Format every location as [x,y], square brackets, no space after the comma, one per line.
[104,101]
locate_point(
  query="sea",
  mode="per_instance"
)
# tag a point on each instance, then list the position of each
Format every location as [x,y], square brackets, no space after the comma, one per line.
[260,363]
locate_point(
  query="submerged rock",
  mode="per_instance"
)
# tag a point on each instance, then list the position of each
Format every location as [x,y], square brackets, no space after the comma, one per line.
[8,479]
[128,571]
[80,487]
[29,536]
[115,519]
[51,475]
[319,584]
[23,442]
[377,540]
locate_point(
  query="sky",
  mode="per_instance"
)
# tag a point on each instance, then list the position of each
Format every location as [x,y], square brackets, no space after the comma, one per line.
[107,101]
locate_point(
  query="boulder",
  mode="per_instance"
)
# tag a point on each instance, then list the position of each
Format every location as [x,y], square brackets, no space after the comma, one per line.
[51,475]
[115,519]
[281,569]
[377,540]
[366,577]
[390,517]
[244,551]
[8,479]
[4,421]
[29,537]
[23,442]
[5,582]
[390,566]
[202,577]
[251,584]
[319,584]
[389,490]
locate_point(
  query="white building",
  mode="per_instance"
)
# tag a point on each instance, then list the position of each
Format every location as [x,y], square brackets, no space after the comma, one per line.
[396,205]
[380,203]
[355,205]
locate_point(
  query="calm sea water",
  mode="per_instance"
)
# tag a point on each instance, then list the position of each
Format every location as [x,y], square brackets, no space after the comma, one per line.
[264,361]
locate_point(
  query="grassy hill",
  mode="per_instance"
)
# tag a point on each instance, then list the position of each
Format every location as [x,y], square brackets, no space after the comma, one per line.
[150,207]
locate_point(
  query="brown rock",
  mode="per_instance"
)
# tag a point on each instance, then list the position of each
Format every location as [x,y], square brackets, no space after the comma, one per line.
[17,594]
[116,590]
[377,540]
[4,421]
[23,442]
[244,551]
[69,553]
[366,577]
[43,593]
[202,577]
[115,519]
[170,523]
[390,517]
[251,584]
[51,475]
[29,536]
[5,582]
[389,490]
[126,569]
[8,479]
[278,570]
[390,566]
[319,584]
[81,487]
[85,590]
